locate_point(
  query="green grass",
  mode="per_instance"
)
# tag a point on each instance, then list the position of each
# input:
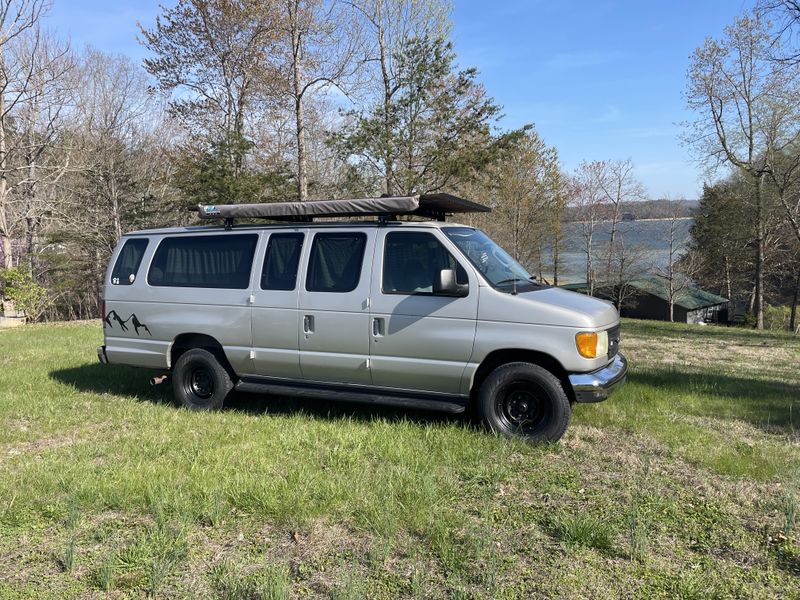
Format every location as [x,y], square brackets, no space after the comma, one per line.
[684,484]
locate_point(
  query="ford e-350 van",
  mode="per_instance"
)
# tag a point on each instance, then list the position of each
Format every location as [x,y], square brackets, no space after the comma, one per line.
[422,314]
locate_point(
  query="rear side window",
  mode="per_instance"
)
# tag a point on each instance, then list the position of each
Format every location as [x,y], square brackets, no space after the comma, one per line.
[128,261]
[335,262]
[205,261]
[281,260]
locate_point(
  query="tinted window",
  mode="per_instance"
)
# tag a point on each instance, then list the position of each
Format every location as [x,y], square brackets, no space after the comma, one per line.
[335,262]
[128,261]
[207,261]
[411,261]
[281,260]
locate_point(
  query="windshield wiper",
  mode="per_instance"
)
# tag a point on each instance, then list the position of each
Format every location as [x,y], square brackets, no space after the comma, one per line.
[517,280]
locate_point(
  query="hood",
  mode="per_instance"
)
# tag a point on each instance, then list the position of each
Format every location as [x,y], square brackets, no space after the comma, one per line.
[547,306]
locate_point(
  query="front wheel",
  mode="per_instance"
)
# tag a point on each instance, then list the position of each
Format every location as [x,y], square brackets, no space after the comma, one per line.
[524,400]
[199,381]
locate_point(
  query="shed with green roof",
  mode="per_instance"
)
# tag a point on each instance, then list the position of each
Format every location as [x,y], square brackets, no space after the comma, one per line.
[651,301]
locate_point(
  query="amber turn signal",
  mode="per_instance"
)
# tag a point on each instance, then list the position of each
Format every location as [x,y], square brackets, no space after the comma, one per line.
[591,344]
[587,344]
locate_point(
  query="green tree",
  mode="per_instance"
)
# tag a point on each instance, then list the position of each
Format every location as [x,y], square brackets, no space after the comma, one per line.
[435,129]
[17,286]
[207,176]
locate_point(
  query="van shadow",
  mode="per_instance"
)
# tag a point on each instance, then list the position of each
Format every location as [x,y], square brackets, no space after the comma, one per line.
[772,406]
[134,383]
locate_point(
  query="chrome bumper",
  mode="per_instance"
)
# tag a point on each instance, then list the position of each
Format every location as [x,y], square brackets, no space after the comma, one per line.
[101,354]
[599,385]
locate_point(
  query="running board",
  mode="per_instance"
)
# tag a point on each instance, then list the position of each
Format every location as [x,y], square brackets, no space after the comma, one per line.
[412,400]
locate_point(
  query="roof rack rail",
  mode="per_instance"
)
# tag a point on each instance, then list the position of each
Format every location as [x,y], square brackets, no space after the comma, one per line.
[432,206]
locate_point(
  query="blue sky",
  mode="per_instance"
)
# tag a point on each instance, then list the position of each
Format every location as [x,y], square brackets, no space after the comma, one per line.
[599,78]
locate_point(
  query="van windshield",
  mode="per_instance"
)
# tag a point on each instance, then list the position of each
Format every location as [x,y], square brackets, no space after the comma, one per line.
[494,263]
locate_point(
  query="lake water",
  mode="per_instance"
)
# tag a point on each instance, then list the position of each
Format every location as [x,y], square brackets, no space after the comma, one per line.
[648,237]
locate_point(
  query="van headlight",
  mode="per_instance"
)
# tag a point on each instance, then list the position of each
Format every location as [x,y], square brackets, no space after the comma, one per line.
[592,344]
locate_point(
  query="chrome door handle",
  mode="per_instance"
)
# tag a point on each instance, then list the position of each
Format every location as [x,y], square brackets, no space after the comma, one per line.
[377,327]
[308,324]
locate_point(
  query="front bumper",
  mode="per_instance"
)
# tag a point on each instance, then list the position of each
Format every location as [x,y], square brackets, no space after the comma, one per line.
[599,385]
[101,354]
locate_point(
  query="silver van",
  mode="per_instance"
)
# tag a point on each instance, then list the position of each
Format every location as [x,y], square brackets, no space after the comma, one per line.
[419,314]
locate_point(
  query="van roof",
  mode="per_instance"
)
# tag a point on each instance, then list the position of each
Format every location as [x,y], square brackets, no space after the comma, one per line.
[303,225]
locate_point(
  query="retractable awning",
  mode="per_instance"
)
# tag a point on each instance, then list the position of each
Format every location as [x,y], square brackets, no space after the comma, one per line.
[432,206]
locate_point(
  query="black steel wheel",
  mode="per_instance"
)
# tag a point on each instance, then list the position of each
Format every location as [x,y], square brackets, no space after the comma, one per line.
[199,381]
[524,400]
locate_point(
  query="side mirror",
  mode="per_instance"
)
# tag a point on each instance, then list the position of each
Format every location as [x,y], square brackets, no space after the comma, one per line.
[445,284]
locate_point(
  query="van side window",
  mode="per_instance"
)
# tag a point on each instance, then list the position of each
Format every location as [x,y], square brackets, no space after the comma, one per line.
[128,261]
[335,262]
[205,261]
[281,261]
[411,261]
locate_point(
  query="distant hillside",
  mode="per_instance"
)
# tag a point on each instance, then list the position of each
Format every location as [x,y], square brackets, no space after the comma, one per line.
[644,209]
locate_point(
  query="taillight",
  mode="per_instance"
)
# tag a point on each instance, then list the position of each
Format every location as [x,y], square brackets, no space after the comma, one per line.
[102,309]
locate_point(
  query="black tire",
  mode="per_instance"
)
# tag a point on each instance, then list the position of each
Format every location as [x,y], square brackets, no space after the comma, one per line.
[524,400]
[199,381]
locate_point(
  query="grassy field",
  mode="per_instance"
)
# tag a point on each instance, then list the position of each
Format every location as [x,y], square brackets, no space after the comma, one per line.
[686,484]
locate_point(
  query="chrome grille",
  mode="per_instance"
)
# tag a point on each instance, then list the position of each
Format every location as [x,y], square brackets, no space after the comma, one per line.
[613,341]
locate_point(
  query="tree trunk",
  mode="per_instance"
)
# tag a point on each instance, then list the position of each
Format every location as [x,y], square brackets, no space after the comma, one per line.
[589,265]
[388,159]
[299,109]
[793,316]
[759,292]
[5,234]
[556,244]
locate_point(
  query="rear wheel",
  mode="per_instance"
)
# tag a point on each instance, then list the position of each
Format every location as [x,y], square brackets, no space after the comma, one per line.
[524,400]
[199,381]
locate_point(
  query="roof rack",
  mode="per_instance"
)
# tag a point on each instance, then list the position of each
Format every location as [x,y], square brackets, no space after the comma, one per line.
[432,206]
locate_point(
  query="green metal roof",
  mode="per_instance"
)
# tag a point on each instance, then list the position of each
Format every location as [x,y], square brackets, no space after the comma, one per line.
[690,298]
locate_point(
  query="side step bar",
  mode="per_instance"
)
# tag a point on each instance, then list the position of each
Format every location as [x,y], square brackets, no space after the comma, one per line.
[258,385]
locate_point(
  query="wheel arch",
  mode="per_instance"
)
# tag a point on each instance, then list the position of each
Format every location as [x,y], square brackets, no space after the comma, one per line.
[189,341]
[498,358]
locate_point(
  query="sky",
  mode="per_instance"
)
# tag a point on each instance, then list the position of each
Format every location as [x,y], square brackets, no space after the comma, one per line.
[600,79]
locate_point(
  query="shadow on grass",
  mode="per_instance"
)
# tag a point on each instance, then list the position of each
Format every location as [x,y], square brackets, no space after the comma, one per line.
[770,405]
[134,383]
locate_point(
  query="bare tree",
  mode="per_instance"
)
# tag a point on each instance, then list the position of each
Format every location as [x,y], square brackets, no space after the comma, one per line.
[619,186]
[41,121]
[629,263]
[524,184]
[323,46]
[587,196]
[740,97]
[220,58]
[16,18]
[679,269]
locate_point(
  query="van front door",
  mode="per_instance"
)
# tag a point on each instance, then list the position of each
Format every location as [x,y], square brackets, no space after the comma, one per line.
[334,307]
[418,340]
